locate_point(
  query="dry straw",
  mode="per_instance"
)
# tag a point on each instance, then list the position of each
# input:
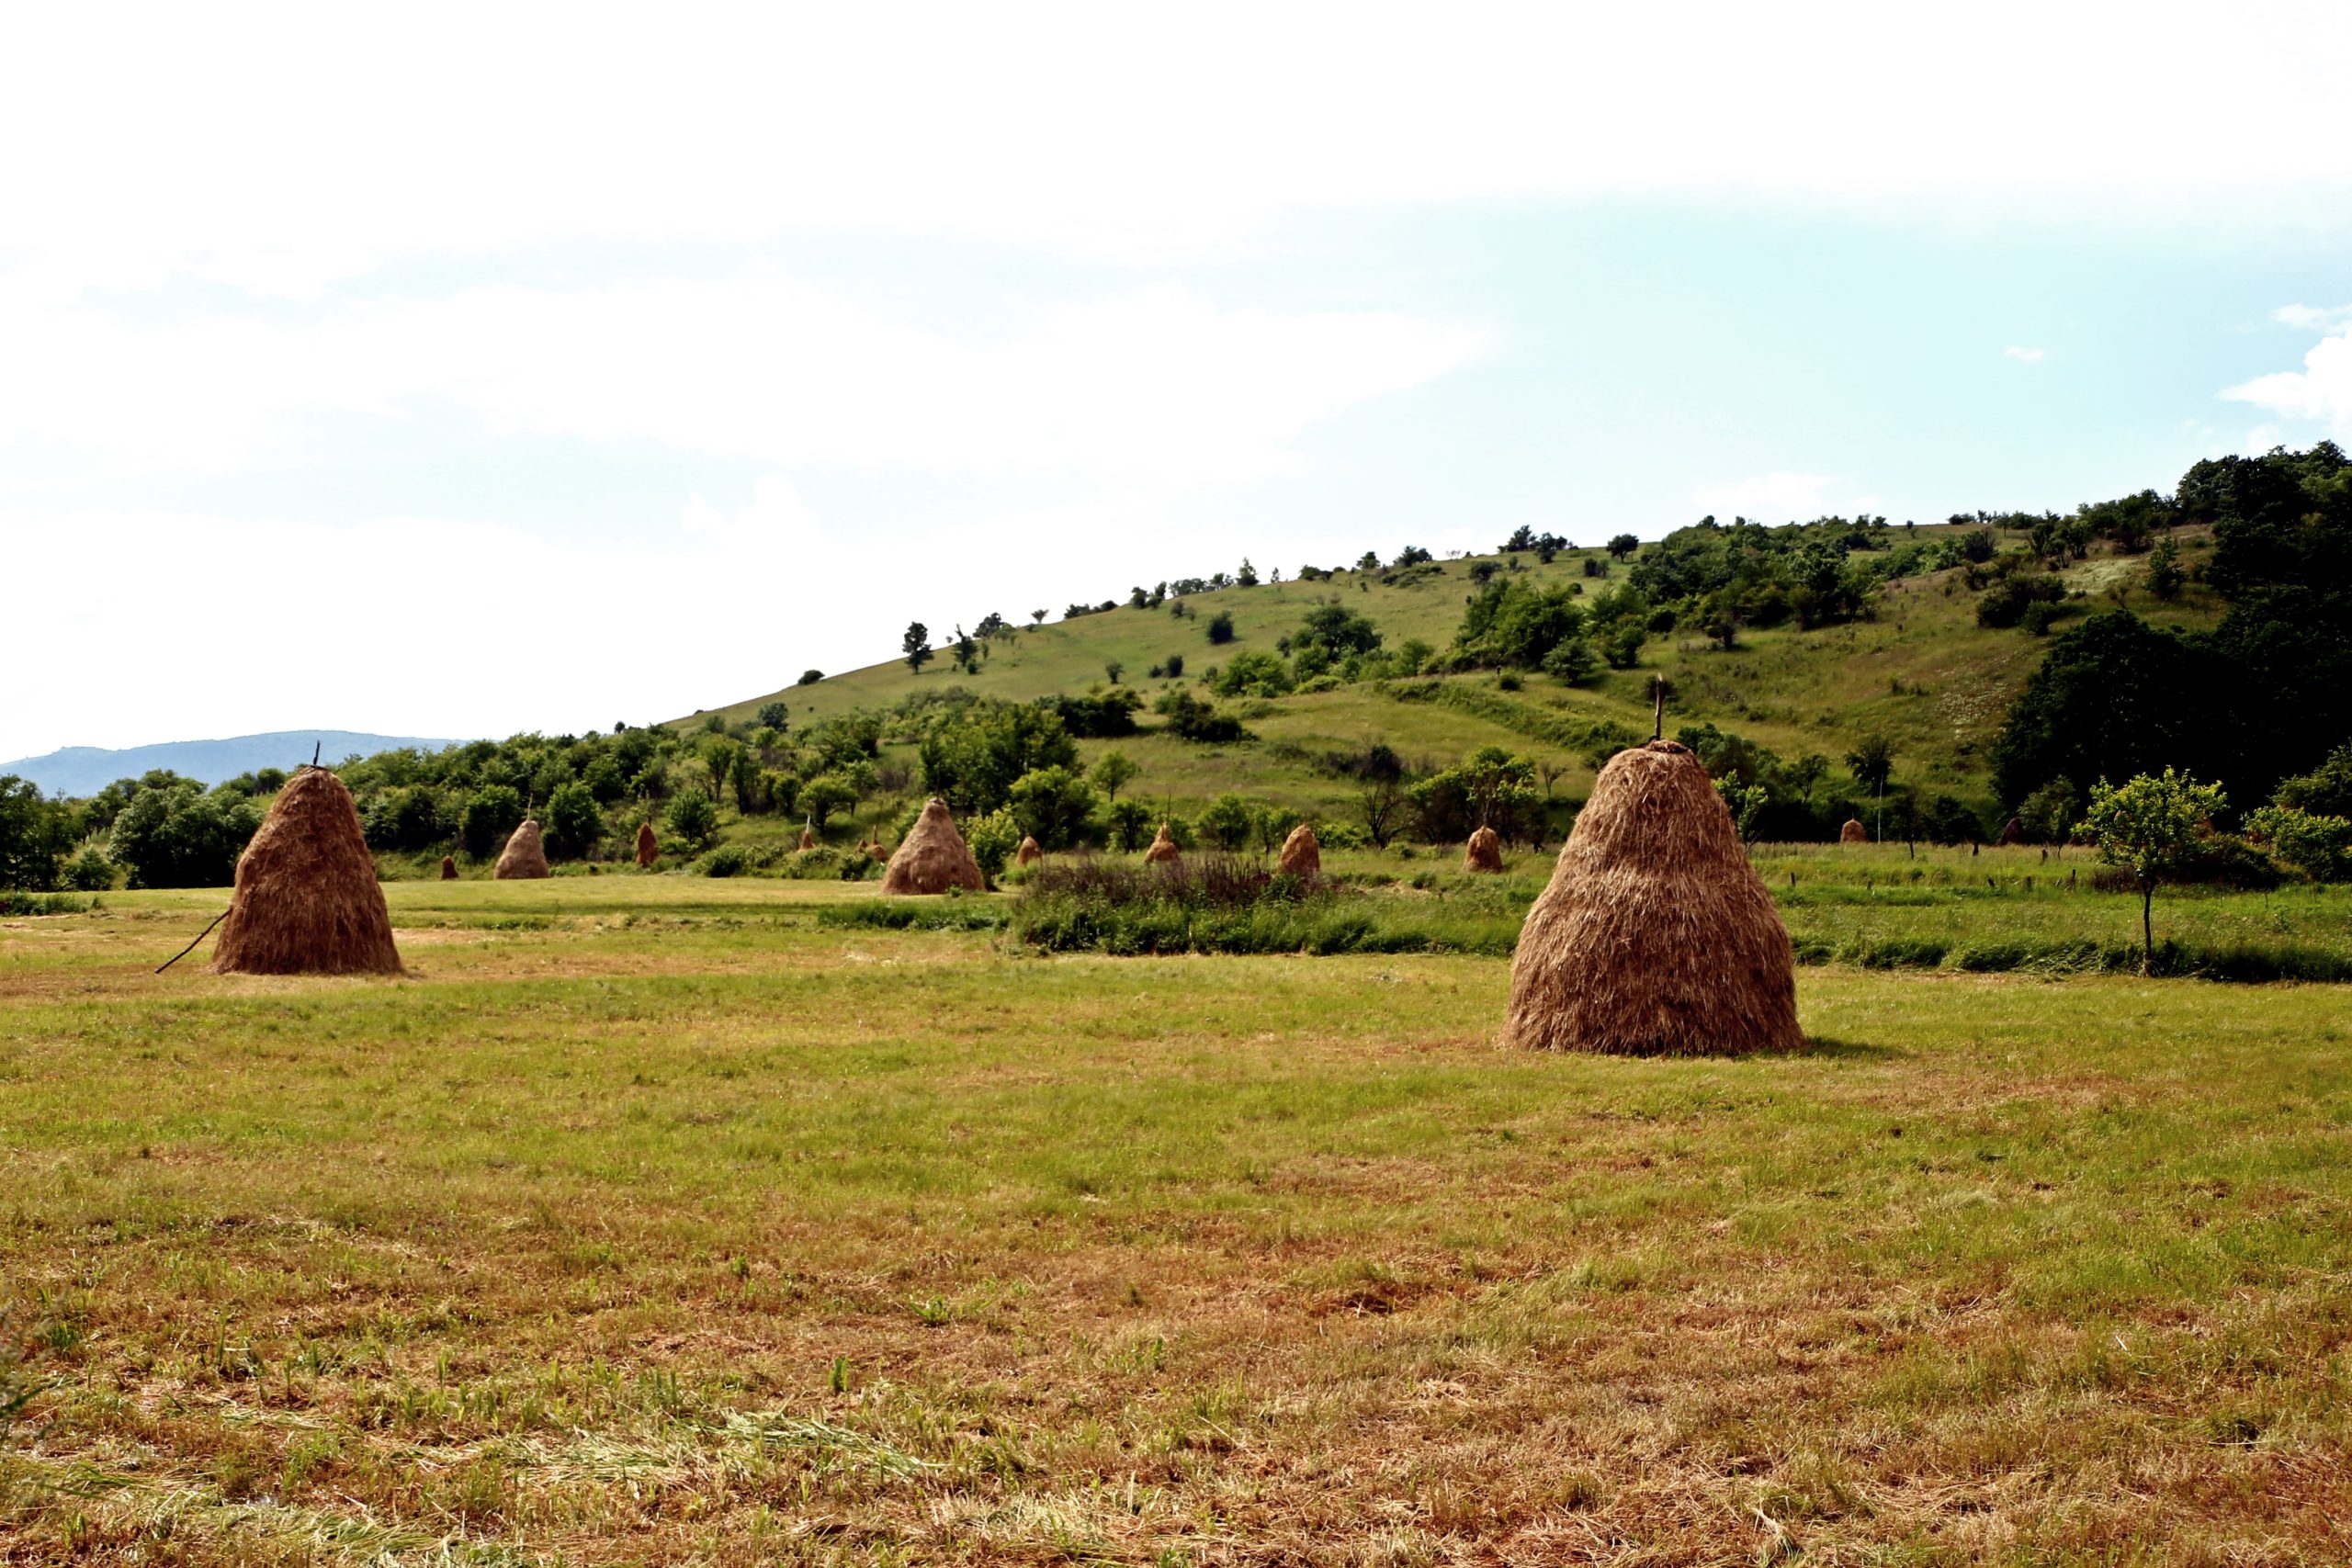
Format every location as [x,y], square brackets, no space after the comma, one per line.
[1853,833]
[1301,854]
[307,901]
[525,856]
[1484,852]
[448,868]
[1163,848]
[808,839]
[1030,852]
[649,848]
[933,857]
[1656,937]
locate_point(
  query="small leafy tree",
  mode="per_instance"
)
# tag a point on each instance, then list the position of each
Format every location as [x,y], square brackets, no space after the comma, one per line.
[810,678]
[1247,576]
[1113,772]
[574,822]
[1623,545]
[2318,846]
[775,715]
[992,837]
[1114,669]
[916,645]
[2165,574]
[1745,802]
[694,817]
[1131,826]
[1220,627]
[823,796]
[2148,827]
[1054,805]
[494,811]
[1228,821]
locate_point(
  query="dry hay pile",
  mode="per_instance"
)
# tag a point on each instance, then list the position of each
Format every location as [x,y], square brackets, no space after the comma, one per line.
[808,839]
[1301,854]
[1484,852]
[1030,852]
[933,857]
[448,868]
[307,901]
[1163,848]
[2012,832]
[1853,833]
[649,848]
[1656,937]
[525,856]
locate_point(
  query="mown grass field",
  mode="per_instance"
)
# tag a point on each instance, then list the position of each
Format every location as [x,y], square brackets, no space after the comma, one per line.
[650,1221]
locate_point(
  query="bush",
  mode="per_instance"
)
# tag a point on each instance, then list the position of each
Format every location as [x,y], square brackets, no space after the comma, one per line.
[728,859]
[90,872]
[694,817]
[1174,668]
[1220,627]
[1254,675]
[495,811]
[1131,825]
[1228,822]
[574,823]
[1191,719]
[810,677]
[993,837]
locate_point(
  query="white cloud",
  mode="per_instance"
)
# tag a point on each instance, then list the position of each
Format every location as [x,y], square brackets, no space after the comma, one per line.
[1767,497]
[2320,392]
[2315,319]
[2023,356]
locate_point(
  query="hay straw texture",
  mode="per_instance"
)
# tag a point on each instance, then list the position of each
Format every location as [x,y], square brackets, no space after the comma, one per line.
[933,857]
[2012,832]
[525,856]
[807,840]
[1484,852]
[1301,854]
[1163,848]
[649,848]
[1853,833]
[1656,937]
[307,901]
[1030,852]
[448,868]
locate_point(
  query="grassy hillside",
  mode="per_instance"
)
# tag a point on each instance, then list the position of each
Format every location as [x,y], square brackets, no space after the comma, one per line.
[1922,673]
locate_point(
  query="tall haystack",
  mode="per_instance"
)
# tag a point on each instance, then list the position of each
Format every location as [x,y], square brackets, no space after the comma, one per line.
[1301,854]
[448,868]
[2012,832]
[1656,937]
[1162,848]
[307,901]
[1853,833]
[1484,852]
[1030,852]
[649,848]
[933,857]
[525,856]
[808,839]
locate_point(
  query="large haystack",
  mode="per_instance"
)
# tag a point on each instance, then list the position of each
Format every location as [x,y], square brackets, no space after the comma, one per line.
[525,856]
[649,848]
[1656,937]
[1484,852]
[1162,848]
[933,857]
[1853,833]
[2012,832]
[448,868]
[1301,854]
[307,901]
[1030,852]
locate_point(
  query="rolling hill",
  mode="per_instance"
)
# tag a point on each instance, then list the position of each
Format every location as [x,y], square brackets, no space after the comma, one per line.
[84,770]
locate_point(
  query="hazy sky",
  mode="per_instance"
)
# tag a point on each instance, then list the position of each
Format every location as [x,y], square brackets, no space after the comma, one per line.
[461,370]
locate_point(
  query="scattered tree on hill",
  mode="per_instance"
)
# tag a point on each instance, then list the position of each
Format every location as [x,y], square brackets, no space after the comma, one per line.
[694,817]
[1114,669]
[1220,627]
[810,677]
[2149,828]
[775,715]
[1113,772]
[916,645]
[1054,805]
[1247,576]
[1131,825]
[2166,577]
[1038,618]
[1623,545]
[1228,822]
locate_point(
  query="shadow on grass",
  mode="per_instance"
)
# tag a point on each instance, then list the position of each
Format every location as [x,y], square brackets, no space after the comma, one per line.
[1837,1050]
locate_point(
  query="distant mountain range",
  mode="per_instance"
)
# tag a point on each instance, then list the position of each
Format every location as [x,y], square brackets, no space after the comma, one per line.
[85,769]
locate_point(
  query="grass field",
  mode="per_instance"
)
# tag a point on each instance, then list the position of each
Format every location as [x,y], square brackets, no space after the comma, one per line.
[651,1221]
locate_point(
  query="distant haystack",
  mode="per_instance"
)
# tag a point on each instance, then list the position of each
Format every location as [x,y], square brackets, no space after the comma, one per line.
[525,857]
[448,868]
[1853,833]
[307,901]
[1655,937]
[933,857]
[1163,848]
[1484,852]
[1301,854]
[808,839]
[649,848]
[2012,832]
[1030,852]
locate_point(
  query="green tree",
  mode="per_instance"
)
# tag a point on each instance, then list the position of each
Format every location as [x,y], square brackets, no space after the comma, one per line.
[1220,627]
[1114,669]
[2165,574]
[1871,763]
[776,715]
[1113,772]
[2148,828]
[1053,806]
[180,837]
[1745,802]
[574,822]
[1572,660]
[916,645]
[2317,846]
[1228,822]
[1247,576]
[694,817]
[1623,545]
[34,834]
[823,796]
[1131,826]
[493,812]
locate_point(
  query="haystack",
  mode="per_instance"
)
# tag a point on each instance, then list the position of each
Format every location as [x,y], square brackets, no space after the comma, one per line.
[448,868]
[1853,833]
[1030,852]
[1656,937]
[1162,848]
[2012,832]
[1484,852]
[649,848]
[1301,854]
[525,856]
[933,857]
[307,901]
[808,839]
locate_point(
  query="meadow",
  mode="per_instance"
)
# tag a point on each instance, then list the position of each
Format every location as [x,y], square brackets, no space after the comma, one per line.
[668,1220]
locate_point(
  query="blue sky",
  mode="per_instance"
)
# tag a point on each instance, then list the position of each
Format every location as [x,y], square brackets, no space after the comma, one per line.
[532,376]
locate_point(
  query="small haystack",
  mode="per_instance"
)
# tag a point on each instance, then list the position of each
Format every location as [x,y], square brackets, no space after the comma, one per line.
[649,848]
[525,856]
[1162,849]
[1030,852]
[1301,854]
[933,857]
[2012,832]
[1656,937]
[1853,833]
[448,868]
[808,839]
[1484,852]
[307,901]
